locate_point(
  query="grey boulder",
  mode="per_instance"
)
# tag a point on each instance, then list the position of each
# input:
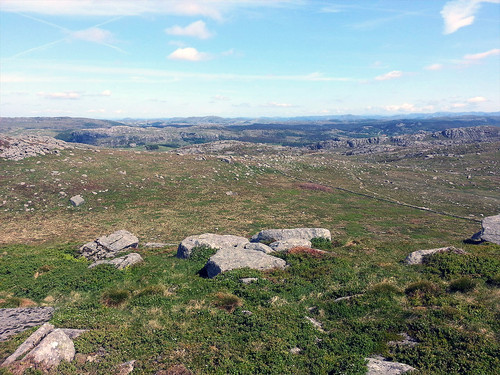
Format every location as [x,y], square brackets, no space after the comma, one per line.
[417,257]
[77,200]
[259,247]
[53,349]
[121,262]
[377,366]
[491,229]
[216,241]
[229,259]
[289,244]
[272,235]
[16,320]
[108,246]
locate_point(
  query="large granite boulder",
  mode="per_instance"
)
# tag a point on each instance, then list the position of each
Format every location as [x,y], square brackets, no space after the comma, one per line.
[16,320]
[289,244]
[490,230]
[108,246]
[232,258]
[272,235]
[417,257]
[121,262]
[215,241]
[53,349]
[378,366]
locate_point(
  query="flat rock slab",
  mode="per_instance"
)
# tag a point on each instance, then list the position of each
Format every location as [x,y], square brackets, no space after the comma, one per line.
[106,247]
[230,259]
[271,235]
[121,262]
[491,229]
[417,257]
[16,320]
[381,367]
[215,241]
[285,245]
[53,349]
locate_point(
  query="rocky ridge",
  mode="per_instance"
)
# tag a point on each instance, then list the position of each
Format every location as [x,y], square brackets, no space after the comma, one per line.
[17,148]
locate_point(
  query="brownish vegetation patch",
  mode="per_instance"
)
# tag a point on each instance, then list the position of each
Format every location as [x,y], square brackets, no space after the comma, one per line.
[308,251]
[312,186]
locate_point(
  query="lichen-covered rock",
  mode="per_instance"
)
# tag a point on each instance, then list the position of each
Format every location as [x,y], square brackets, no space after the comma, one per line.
[53,349]
[16,320]
[377,366]
[120,262]
[216,241]
[491,229]
[289,244]
[417,257]
[272,235]
[106,247]
[229,259]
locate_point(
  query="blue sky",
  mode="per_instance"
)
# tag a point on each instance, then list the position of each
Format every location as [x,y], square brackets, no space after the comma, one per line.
[166,58]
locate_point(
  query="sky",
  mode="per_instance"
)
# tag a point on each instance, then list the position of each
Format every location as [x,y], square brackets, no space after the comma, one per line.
[247,58]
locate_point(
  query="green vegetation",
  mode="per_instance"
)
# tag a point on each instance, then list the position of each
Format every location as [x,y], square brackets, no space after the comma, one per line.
[164,314]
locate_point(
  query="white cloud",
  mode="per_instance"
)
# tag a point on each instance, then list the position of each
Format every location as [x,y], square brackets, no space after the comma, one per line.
[459,13]
[106,93]
[434,67]
[482,55]
[93,34]
[477,99]
[220,98]
[189,54]
[68,95]
[391,75]
[405,107]
[458,105]
[197,29]
[279,105]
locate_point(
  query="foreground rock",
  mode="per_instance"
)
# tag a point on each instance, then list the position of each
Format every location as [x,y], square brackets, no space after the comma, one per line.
[272,235]
[418,257]
[106,247]
[381,367]
[121,262]
[77,200]
[16,320]
[215,241]
[490,230]
[230,259]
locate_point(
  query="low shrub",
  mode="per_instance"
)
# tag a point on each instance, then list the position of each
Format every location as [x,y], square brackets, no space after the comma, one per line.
[494,280]
[463,285]
[227,301]
[384,289]
[302,250]
[115,297]
[324,243]
[201,253]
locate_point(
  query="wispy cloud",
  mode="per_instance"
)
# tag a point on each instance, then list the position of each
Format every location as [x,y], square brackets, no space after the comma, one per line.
[477,99]
[278,105]
[434,67]
[391,75]
[460,13]
[68,95]
[482,55]
[189,54]
[197,29]
[94,34]
[405,107]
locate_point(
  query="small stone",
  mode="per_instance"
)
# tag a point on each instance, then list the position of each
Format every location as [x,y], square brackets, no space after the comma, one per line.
[77,200]
[248,280]
[377,366]
[417,257]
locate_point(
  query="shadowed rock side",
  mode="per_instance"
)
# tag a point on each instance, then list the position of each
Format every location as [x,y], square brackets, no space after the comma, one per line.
[490,229]
[16,320]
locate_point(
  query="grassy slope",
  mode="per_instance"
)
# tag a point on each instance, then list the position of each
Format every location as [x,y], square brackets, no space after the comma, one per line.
[170,315]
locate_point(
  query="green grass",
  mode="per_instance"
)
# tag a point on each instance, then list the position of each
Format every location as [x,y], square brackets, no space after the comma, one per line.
[163,313]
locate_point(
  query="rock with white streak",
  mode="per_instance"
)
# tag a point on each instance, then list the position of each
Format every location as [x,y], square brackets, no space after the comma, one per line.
[51,351]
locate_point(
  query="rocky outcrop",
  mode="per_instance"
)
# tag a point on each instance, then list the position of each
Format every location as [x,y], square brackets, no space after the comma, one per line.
[233,258]
[490,230]
[17,148]
[121,262]
[272,235]
[215,241]
[16,320]
[379,366]
[417,257]
[106,247]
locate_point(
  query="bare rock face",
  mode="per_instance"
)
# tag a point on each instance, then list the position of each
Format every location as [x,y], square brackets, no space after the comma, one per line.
[121,262]
[259,247]
[272,235]
[215,241]
[16,320]
[381,367]
[417,257]
[491,229]
[106,247]
[53,349]
[230,259]
[289,244]
[18,148]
